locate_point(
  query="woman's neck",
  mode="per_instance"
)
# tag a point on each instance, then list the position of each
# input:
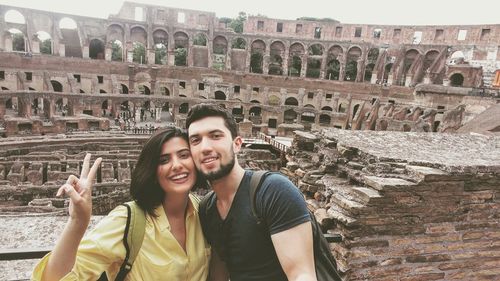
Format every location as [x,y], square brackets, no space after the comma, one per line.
[175,204]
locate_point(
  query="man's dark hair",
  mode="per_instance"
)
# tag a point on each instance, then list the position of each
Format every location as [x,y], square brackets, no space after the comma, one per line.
[144,186]
[204,110]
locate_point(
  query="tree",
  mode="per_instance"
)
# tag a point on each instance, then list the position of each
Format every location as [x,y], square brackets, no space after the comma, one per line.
[18,42]
[180,56]
[46,47]
[139,53]
[237,23]
[116,51]
[160,54]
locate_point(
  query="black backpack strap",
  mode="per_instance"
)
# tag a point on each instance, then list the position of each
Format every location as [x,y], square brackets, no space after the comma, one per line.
[255,183]
[133,236]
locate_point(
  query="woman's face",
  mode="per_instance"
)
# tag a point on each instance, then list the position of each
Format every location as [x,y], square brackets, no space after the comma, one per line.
[176,172]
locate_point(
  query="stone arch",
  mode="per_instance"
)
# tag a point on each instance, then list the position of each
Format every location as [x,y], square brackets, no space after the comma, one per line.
[102,91]
[254,101]
[160,40]
[368,72]
[309,106]
[143,90]
[308,117]
[220,95]
[342,107]
[291,101]
[410,57]
[255,111]
[314,60]
[184,108]
[116,50]
[257,51]
[327,108]
[296,53]
[325,120]
[56,86]
[290,116]
[70,37]
[220,45]
[429,59]
[239,43]
[18,40]
[181,45]
[96,49]
[124,89]
[351,68]
[387,70]
[114,31]
[456,80]
[333,69]
[45,42]
[200,39]
[277,50]
[355,109]
[139,34]
[14,16]
[164,91]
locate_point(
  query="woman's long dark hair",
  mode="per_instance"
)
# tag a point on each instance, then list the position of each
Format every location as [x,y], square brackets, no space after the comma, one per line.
[144,186]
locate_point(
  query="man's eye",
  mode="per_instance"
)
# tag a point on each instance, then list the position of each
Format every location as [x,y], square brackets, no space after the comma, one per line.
[194,140]
[216,136]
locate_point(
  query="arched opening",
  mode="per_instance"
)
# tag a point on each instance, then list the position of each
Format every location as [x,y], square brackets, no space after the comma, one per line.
[184,108]
[124,89]
[387,70]
[409,59]
[160,39]
[101,91]
[257,51]
[342,108]
[18,42]
[255,115]
[138,53]
[368,72]
[406,128]
[314,61]
[237,112]
[254,101]
[327,108]
[70,38]
[297,51]
[181,43]
[308,117]
[164,91]
[456,80]
[96,49]
[277,49]
[219,95]
[200,40]
[373,55]
[333,70]
[45,42]
[126,112]
[325,119]
[355,110]
[56,86]
[144,90]
[290,116]
[383,124]
[220,45]
[14,16]
[116,50]
[351,71]
[291,101]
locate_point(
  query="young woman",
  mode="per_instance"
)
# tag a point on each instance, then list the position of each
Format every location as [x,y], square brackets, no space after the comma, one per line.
[173,248]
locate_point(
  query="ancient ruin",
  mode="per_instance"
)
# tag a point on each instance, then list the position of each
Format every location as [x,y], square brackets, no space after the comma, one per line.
[395,128]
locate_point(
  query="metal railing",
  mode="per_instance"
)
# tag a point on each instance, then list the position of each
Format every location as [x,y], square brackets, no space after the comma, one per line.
[276,144]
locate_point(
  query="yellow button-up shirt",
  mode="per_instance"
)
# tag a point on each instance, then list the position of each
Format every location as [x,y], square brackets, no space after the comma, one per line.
[160,258]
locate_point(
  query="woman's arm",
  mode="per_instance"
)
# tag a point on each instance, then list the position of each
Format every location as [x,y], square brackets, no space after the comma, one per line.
[79,191]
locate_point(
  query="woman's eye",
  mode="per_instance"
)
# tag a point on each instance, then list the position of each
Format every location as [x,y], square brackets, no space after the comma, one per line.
[164,160]
[185,155]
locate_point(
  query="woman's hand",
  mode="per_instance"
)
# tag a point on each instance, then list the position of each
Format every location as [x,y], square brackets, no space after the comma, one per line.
[79,191]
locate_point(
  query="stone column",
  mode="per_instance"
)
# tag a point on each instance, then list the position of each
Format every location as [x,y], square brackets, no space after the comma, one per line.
[303,68]
[210,50]
[228,56]
[189,62]
[284,65]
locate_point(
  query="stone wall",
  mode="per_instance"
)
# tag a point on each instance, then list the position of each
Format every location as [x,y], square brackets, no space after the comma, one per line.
[410,206]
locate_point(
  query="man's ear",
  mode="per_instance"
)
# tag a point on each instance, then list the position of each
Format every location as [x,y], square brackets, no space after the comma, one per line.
[237,142]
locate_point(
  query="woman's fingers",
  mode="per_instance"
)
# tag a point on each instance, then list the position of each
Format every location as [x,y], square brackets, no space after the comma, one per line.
[93,170]
[85,166]
[70,191]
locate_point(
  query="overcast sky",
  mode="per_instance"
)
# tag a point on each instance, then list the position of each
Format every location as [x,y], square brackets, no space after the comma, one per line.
[404,12]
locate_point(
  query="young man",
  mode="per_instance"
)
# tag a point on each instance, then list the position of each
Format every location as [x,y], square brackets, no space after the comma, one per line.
[278,249]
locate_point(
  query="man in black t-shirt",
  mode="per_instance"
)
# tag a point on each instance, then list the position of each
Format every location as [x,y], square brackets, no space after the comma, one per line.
[278,249]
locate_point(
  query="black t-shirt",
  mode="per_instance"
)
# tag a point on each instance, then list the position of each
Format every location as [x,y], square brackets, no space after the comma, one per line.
[246,246]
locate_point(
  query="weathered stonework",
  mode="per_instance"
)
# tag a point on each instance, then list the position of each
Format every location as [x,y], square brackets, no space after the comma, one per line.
[410,206]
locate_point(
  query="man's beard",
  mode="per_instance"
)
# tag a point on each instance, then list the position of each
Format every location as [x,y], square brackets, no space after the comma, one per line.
[222,172]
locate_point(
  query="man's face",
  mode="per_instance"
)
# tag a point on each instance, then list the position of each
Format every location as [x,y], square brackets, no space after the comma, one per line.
[212,147]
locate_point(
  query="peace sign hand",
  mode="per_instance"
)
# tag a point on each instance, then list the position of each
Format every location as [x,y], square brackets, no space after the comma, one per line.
[79,191]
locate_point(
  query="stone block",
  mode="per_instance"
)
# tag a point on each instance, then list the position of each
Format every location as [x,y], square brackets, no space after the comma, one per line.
[379,183]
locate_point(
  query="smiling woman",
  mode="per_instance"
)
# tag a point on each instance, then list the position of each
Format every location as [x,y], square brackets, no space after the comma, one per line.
[161,183]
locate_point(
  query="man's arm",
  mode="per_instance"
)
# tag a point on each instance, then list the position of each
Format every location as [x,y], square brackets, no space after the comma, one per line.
[294,248]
